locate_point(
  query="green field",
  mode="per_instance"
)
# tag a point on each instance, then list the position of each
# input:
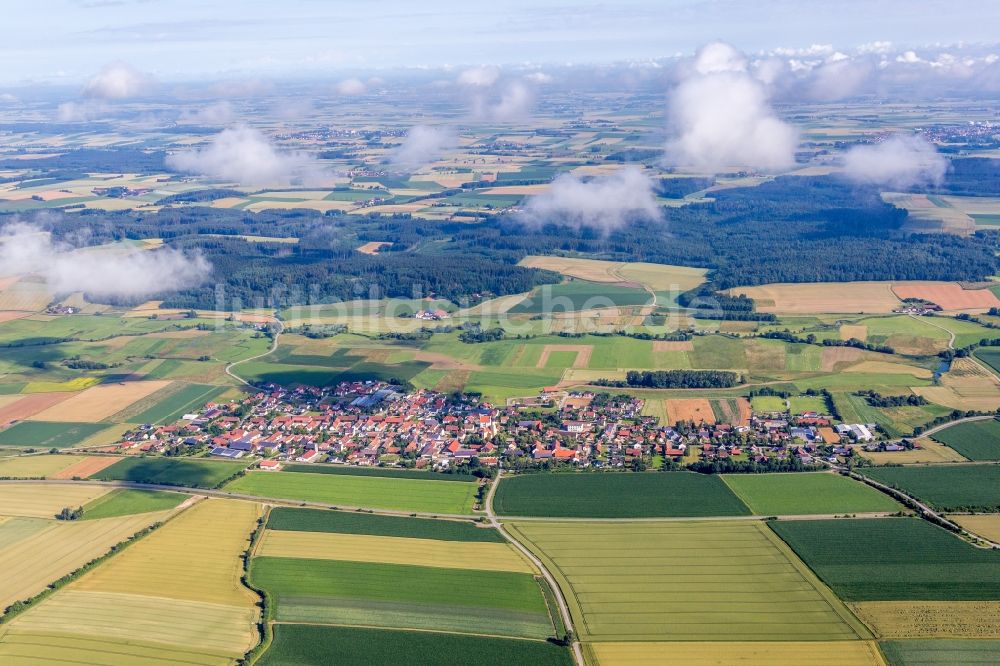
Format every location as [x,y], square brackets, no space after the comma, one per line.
[686,580]
[976,440]
[990,356]
[360,491]
[890,559]
[299,644]
[579,295]
[941,652]
[807,403]
[388,472]
[403,596]
[616,495]
[768,404]
[945,487]
[48,434]
[322,520]
[191,397]
[171,471]
[806,493]
[128,501]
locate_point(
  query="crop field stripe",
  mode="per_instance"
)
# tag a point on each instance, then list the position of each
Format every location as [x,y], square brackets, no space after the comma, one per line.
[394,550]
[931,619]
[352,522]
[945,487]
[31,647]
[806,493]
[197,473]
[363,646]
[36,466]
[942,652]
[660,605]
[976,440]
[893,559]
[765,653]
[26,499]
[357,491]
[30,564]
[176,405]
[349,470]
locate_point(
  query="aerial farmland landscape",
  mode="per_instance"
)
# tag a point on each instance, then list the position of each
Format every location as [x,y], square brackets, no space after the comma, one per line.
[551,333]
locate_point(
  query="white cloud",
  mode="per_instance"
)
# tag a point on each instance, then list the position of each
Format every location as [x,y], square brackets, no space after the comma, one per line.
[421,146]
[352,87]
[220,113]
[721,117]
[539,78]
[605,202]
[117,81]
[245,156]
[25,249]
[900,161]
[838,78]
[479,76]
[515,102]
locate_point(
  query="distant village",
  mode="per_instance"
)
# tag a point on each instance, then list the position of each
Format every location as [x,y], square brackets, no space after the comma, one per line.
[373,423]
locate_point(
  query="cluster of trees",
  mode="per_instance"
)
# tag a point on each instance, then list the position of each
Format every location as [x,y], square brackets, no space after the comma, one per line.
[811,339]
[876,399]
[475,333]
[68,513]
[734,315]
[730,466]
[675,379]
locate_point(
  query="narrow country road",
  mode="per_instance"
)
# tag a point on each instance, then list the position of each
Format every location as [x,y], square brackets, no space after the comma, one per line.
[274,346]
[549,578]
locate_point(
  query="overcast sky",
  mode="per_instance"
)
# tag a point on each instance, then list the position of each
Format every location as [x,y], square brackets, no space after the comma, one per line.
[68,40]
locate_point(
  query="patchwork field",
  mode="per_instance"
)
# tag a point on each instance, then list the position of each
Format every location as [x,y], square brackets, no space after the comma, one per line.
[171,471]
[176,590]
[393,550]
[945,487]
[757,653]
[29,405]
[44,501]
[99,402]
[985,525]
[37,466]
[818,298]
[127,502]
[695,410]
[360,491]
[34,552]
[949,295]
[296,644]
[941,652]
[931,619]
[48,435]
[352,522]
[686,581]
[806,493]
[403,596]
[976,440]
[893,559]
[616,495]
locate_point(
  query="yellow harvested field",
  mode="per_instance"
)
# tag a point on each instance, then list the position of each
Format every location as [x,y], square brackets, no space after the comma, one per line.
[593,270]
[830,653]
[658,277]
[967,386]
[672,345]
[85,467]
[33,467]
[25,295]
[822,297]
[985,525]
[100,402]
[488,556]
[372,247]
[44,501]
[689,409]
[29,647]
[929,452]
[949,295]
[930,619]
[321,206]
[218,629]
[58,548]
[887,368]
[211,535]
[856,331]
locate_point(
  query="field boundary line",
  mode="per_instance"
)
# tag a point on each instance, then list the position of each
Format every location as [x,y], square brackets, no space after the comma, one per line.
[546,574]
[862,630]
[422,631]
[273,348]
